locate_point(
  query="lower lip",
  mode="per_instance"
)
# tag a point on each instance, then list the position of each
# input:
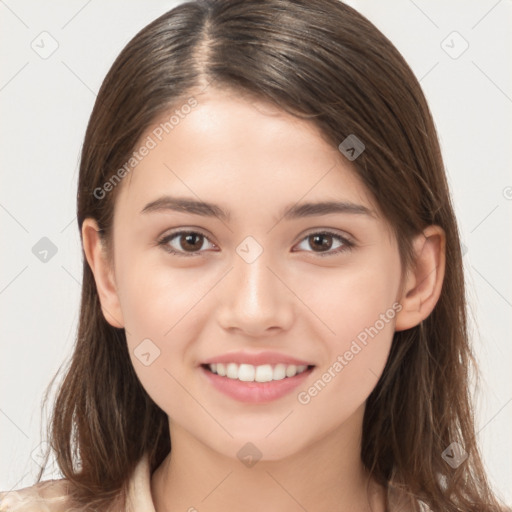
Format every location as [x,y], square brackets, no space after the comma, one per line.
[255,392]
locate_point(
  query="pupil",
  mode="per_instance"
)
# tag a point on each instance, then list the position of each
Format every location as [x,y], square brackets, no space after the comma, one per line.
[190,237]
[325,245]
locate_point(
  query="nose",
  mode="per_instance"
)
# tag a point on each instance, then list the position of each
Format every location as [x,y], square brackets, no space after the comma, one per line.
[255,299]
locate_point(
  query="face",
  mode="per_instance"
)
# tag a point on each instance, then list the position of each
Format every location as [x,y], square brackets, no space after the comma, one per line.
[256,287]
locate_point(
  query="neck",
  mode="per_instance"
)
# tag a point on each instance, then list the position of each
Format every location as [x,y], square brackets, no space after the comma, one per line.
[324,475]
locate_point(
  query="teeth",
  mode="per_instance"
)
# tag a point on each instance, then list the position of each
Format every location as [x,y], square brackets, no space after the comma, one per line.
[263,373]
[279,371]
[232,371]
[245,372]
[250,373]
[291,370]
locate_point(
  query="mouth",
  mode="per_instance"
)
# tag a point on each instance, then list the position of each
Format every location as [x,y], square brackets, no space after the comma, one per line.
[260,373]
[255,384]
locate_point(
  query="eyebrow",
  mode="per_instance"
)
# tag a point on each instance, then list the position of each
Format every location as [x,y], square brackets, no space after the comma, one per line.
[294,211]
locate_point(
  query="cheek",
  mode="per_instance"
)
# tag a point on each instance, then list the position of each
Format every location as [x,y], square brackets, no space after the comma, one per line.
[162,308]
[156,298]
[353,297]
[358,310]
[356,357]
[157,308]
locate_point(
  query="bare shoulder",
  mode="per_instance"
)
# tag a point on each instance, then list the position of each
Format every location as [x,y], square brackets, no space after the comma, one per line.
[47,496]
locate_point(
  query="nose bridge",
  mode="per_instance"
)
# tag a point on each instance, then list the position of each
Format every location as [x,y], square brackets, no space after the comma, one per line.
[255,285]
[255,299]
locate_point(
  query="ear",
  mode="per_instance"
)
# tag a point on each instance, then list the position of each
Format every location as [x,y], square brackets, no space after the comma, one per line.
[95,253]
[423,282]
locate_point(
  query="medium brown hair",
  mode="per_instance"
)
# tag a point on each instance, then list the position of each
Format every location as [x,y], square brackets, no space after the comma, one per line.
[318,60]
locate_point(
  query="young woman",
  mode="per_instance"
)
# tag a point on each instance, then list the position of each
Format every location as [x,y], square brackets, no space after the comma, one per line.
[273,308]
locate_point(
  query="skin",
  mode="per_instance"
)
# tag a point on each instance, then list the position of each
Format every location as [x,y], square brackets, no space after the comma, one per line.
[253,160]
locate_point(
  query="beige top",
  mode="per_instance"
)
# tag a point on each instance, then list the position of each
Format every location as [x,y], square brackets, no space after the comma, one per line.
[50,496]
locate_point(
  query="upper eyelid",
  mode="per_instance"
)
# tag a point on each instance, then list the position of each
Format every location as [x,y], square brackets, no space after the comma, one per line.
[309,232]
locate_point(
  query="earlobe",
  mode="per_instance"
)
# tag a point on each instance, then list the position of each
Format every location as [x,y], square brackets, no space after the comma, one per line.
[103,274]
[424,282]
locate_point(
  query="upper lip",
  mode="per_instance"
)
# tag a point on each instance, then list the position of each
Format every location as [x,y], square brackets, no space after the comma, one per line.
[256,358]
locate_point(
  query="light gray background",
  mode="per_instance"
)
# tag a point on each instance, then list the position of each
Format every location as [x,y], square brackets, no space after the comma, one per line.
[45,105]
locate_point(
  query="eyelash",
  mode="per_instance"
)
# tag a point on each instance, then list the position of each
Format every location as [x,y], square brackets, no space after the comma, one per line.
[347,244]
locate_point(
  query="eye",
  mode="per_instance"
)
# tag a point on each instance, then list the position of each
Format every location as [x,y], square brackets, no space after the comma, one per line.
[323,240]
[191,242]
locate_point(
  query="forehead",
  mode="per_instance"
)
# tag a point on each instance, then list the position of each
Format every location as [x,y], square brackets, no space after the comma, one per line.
[229,149]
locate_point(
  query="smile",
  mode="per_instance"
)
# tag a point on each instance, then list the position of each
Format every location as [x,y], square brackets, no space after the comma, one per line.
[261,373]
[255,384]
